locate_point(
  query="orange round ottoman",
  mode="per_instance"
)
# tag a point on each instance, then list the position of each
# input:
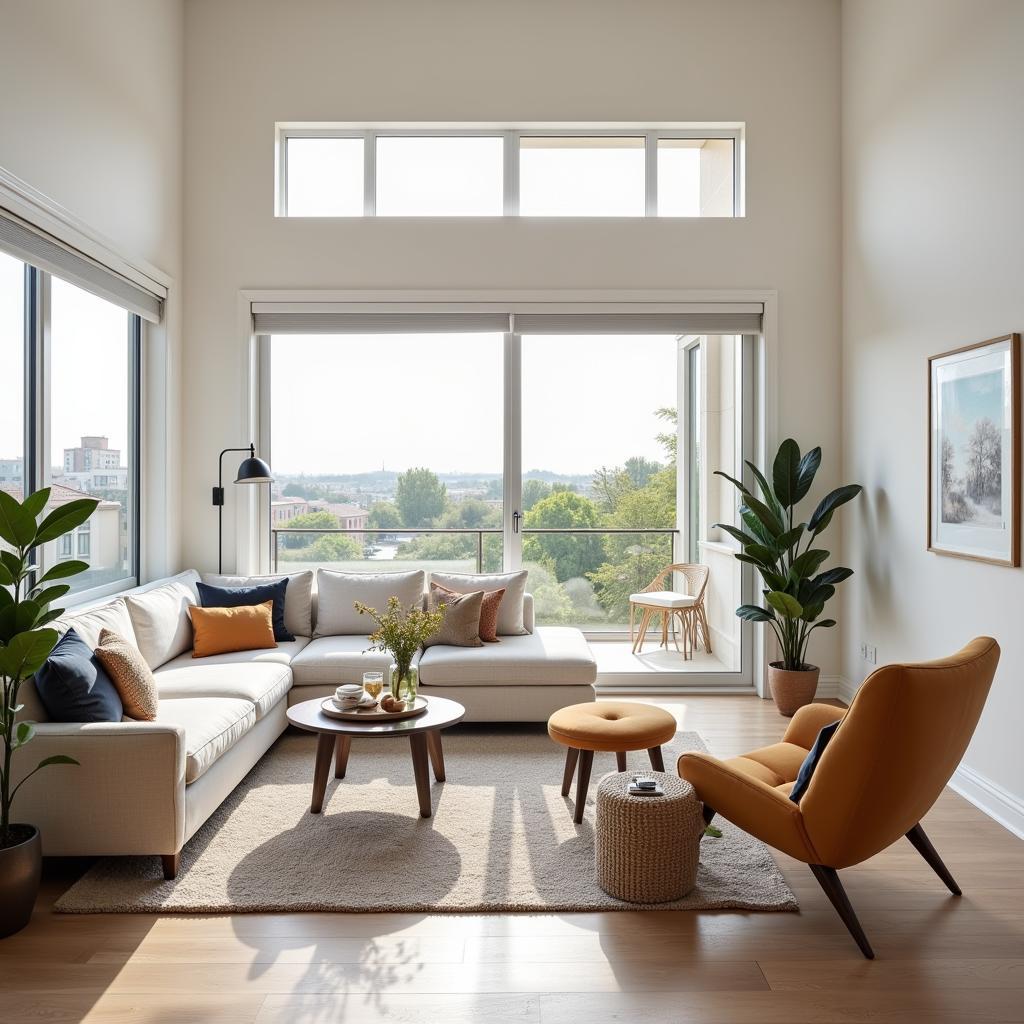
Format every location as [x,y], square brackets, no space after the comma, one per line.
[607,725]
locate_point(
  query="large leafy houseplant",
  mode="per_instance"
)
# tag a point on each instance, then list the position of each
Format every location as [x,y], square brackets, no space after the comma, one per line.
[783,550]
[26,641]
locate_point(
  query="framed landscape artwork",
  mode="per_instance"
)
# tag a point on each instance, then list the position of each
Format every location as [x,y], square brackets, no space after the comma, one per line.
[974,452]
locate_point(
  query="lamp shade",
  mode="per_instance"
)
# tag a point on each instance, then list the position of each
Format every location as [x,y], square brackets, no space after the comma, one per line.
[254,471]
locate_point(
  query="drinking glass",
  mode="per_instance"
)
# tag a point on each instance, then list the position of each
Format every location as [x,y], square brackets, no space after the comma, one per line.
[373,683]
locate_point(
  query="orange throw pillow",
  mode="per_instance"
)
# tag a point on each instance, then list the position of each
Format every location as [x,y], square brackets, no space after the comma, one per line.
[488,611]
[248,627]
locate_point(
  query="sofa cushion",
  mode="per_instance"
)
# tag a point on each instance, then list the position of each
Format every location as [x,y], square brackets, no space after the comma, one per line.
[112,615]
[74,686]
[553,655]
[298,598]
[212,726]
[226,630]
[160,620]
[337,593]
[262,684]
[282,654]
[460,626]
[233,597]
[510,611]
[131,676]
[334,660]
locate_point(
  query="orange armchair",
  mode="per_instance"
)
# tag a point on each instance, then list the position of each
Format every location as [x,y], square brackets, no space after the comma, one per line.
[899,743]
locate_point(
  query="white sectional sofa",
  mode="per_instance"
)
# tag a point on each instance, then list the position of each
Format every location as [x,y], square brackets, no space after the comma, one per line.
[147,787]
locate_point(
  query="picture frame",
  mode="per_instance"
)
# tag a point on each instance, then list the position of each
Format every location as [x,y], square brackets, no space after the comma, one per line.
[974,456]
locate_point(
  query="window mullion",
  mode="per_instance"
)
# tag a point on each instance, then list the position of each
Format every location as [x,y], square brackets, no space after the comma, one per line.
[370,174]
[511,174]
[513,452]
[651,173]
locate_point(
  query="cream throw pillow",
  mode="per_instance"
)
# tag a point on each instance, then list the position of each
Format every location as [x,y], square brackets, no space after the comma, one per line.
[337,592]
[131,676]
[163,629]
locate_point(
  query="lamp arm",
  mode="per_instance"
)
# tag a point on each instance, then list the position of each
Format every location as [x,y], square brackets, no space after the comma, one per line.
[218,500]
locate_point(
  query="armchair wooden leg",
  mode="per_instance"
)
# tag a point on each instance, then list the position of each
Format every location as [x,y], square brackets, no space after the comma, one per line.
[171,862]
[620,760]
[709,814]
[657,761]
[583,784]
[923,845]
[828,879]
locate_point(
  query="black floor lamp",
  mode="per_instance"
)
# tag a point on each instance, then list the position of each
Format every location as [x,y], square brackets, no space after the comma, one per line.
[251,471]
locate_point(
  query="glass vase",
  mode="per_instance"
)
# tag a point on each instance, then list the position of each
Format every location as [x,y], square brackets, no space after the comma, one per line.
[404,686]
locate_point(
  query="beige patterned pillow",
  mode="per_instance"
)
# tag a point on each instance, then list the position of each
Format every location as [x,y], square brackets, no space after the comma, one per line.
[461,626]
[132,677]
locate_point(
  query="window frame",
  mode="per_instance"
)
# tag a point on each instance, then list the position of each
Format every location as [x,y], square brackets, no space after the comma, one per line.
[511,136]
[38,393]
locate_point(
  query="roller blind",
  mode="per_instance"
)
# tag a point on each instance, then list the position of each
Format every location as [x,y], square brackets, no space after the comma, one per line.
[31,245]
[270,321]
[732,321]
[701,318]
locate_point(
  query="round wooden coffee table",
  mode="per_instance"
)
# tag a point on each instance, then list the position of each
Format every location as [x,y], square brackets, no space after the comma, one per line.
[335,735]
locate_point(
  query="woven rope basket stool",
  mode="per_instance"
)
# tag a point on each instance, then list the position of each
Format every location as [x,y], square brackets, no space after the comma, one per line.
[648,847]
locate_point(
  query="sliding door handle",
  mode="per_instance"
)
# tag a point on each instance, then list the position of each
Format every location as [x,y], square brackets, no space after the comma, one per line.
[515,521]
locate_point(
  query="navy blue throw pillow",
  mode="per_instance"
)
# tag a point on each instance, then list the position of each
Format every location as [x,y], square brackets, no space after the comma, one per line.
[73,685]
[234,597]
[803,779]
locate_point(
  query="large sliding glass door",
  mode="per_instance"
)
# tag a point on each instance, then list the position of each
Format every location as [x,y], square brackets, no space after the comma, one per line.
[585,457]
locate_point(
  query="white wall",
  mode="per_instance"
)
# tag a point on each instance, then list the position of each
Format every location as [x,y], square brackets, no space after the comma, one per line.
[91,105]
[253,62]
[933,148]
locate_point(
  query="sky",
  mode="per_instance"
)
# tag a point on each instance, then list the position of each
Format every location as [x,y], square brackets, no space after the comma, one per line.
[357,403]
[88,360]
[463,177]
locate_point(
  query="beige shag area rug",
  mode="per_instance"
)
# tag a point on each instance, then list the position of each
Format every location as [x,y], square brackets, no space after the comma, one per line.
[501,839]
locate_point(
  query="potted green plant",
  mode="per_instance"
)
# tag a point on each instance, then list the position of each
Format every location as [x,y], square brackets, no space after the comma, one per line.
[25,643]
[783,552]
[402,632]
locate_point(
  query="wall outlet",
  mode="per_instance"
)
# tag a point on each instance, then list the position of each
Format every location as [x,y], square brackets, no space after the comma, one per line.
[869,653]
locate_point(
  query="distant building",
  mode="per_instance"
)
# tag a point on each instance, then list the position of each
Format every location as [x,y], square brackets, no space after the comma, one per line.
[350,517]
[283,510]
[12,471]
[97,541]
[94,453]
[110,479]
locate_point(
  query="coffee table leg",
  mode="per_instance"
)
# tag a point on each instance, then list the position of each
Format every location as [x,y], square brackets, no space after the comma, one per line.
[436,753]
[324,749]
[342,745]
[420,767]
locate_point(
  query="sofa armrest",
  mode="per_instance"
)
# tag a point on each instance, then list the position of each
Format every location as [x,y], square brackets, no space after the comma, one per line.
[126,795]
[753,805]
[809,720]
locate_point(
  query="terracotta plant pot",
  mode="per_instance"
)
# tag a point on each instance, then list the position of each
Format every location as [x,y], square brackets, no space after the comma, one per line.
[20,868]
[792,688]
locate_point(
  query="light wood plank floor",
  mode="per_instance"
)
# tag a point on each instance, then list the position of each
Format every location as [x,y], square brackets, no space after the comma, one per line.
[939,958]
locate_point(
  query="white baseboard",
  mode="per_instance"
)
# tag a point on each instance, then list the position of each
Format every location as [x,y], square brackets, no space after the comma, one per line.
[998,803]
[836,687]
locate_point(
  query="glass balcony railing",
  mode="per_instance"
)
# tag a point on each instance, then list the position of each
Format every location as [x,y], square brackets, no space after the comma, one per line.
[579,577]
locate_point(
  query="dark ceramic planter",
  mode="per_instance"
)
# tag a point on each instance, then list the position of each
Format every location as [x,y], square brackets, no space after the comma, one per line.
[20,868]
